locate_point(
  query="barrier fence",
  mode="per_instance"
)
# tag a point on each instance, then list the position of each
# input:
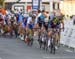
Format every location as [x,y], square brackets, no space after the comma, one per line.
[68,35]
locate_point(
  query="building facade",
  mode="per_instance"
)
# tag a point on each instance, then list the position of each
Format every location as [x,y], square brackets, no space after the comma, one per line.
[48,5]
[2,4]
[67,7]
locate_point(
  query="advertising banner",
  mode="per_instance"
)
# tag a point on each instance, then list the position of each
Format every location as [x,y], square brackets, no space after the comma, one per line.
[36,4]
[68,35]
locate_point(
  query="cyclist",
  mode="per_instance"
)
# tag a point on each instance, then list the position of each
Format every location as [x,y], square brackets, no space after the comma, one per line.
[55,25]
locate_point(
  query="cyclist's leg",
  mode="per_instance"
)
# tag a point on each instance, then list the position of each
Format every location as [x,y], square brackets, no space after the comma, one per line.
[51,44]
[58,37]
[54,44]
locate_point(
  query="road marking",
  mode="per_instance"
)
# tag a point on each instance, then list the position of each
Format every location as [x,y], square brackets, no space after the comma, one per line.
[69,50]
[58,57]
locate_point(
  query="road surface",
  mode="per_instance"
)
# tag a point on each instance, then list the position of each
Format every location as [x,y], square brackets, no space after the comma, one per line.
[12,48]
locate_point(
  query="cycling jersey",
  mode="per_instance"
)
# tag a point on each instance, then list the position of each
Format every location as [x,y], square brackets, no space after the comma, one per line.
[31,25]
[55,23]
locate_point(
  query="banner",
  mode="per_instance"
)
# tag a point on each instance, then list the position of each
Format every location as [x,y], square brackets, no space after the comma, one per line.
[68,36]
[36,4]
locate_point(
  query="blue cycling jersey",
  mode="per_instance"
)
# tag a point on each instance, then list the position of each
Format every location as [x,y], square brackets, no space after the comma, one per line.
[31,25]
[25,21]
[42,17]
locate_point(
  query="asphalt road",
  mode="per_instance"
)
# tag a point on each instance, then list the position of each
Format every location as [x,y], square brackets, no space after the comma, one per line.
[12,48]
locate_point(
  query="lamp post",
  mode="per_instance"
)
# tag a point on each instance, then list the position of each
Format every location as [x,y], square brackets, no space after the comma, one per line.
[62,6]
[71,7]
[51,5]
[26,6]
[41,5]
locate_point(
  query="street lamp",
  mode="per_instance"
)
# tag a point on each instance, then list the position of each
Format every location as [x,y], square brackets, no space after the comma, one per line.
[71,7]
[26,7]
[62,6]
[51,5]
[40,5]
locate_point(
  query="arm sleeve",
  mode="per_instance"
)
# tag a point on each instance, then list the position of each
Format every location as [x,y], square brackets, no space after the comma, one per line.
[29,20]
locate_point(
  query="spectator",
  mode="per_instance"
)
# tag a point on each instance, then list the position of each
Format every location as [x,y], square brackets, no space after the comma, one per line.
[73,20]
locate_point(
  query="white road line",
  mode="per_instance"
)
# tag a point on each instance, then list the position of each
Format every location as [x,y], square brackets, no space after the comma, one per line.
[0,58]
[57,57]
[68,50]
